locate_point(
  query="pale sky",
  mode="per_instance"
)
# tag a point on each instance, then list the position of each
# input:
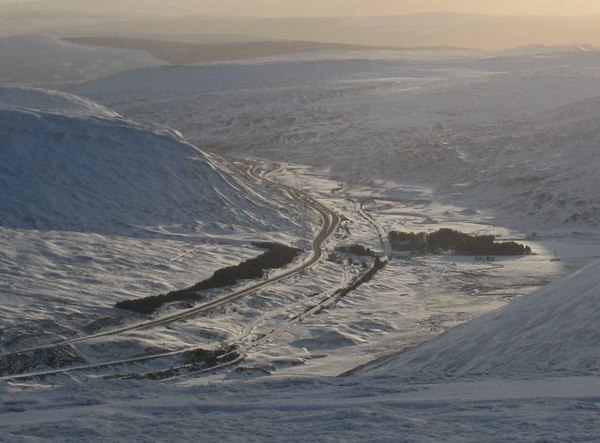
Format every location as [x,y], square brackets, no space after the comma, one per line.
[306,8]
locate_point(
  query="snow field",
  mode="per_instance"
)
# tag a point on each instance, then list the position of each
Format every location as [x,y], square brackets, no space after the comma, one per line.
[469,129]
[527,371]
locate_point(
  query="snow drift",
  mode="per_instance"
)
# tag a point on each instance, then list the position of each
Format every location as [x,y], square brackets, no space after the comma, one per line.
[552,331]
[69,164]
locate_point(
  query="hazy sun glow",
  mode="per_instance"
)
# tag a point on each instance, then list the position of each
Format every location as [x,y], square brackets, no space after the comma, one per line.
[395,7]
[306,8]
[389,23]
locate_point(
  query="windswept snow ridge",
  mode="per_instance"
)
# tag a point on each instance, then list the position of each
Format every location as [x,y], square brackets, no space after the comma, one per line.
[53,102]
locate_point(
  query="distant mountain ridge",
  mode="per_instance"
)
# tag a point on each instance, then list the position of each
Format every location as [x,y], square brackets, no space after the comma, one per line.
[483,32]
[48,61]
[186,52]
[544,49]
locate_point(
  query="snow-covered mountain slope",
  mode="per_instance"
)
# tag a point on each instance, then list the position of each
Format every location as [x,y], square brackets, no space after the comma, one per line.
[109,175]
[43,60]
[86,169]
[96,209]
[552,331]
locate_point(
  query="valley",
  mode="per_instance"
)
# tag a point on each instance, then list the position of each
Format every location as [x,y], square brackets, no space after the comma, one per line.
[138,179]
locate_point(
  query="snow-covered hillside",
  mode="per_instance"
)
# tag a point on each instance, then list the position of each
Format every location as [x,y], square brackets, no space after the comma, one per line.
[70,164]
[544,169]
[98,209]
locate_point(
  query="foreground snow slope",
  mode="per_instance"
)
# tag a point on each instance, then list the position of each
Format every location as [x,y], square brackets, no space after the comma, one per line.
[552,331]
[302,409]
[68,163]
[529,357]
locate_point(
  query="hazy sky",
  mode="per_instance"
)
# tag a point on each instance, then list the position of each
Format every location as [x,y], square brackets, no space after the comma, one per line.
[296,8]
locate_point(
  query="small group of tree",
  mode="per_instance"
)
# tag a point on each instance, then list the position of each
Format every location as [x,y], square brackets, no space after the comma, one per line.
[445,240]
[357,249]
[378,265]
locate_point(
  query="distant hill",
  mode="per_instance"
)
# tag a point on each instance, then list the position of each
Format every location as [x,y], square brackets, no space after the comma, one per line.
[544,49]
[39,60]
[483,32]
[179,52]
[69,164]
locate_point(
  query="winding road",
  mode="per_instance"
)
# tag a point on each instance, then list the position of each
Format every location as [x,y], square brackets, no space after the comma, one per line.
[330,223]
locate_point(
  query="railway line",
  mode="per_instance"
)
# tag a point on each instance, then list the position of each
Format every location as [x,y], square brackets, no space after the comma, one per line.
[330,223]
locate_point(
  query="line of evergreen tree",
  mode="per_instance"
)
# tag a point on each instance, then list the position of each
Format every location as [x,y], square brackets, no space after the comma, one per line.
[276,256]
[446,239]
[357,249]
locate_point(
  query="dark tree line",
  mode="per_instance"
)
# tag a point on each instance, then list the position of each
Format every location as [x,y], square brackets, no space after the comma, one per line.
[458,242]
[276,256]
[357,249]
